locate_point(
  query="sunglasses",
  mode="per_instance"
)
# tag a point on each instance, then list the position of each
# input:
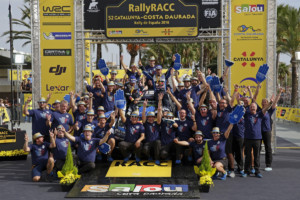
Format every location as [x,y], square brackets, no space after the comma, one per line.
[134,116]
[215,132]
[203,109]
[41,102]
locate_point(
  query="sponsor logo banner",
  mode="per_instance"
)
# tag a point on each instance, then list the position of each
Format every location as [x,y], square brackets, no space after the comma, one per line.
[154,17]
[58,36]
[57,44]
[118,168]
[164,14]
[57,52]
[138,190]
[248,43]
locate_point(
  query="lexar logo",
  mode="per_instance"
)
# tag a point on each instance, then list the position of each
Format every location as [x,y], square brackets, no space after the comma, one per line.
[58,70]
[57,88]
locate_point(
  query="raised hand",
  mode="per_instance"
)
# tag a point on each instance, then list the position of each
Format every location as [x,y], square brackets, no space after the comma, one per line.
[120,101]
[51,134]
[104,148]
[26,137]
[262,73]
[91,95]
[145,103]
[216,85]
[177,63]
[48,117]
[237,114]
[228,63]
[188,95]
[161,95]
[102,67]
[29,99]
[49,95]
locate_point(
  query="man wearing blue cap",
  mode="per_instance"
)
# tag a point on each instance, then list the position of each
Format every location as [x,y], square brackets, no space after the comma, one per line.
[87,147]
[152,136]
[39,117]
[135,134]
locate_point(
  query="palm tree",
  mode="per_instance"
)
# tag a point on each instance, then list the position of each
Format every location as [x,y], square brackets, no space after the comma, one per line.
[283,71]
[133,50]
[290,24]
[24,22]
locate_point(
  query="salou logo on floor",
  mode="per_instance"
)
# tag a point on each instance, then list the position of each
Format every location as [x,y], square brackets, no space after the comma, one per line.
[137,190]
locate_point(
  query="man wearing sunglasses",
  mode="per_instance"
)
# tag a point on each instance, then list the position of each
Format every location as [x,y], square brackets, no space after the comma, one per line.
[39,117]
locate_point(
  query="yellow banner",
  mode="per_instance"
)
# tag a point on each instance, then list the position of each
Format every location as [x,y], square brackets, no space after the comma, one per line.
[248,43]
[87,53]
[25,74]
[57,48]
[4,114]
[289,114]
[118,168]
[121,73]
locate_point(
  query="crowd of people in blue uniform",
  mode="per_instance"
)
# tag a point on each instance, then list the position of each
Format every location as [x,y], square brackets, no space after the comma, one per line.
[164,118]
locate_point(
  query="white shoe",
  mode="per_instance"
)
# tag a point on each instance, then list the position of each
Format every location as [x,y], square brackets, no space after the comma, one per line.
[232,174]
[268,169]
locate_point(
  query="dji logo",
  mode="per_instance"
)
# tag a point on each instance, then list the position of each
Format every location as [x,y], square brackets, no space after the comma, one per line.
[58,70]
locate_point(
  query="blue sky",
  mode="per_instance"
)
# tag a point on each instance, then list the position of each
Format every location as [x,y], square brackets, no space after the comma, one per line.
[108,55]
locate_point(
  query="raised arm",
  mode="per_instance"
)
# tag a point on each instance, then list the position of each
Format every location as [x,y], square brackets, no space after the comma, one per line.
[48,97]
[191,106]
[194,128]
[72,102]
[144,118]
[203,97]
[159,114]
[235,93]
[69,136]
[227,132]
[25,147]
[122,115]
[52,138]
[91,100]
[250,92]
[123,65]
[102,87]
[256,92]
[174,99]
[104,139]
[25,110]
[112,119]
[277,98]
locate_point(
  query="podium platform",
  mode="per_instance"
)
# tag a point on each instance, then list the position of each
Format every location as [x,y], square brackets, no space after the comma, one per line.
[140,181]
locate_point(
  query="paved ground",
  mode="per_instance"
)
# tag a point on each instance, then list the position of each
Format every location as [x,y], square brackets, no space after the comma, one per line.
[280,184]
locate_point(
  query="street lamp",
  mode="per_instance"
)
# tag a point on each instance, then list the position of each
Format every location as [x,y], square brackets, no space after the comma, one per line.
[19,62]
